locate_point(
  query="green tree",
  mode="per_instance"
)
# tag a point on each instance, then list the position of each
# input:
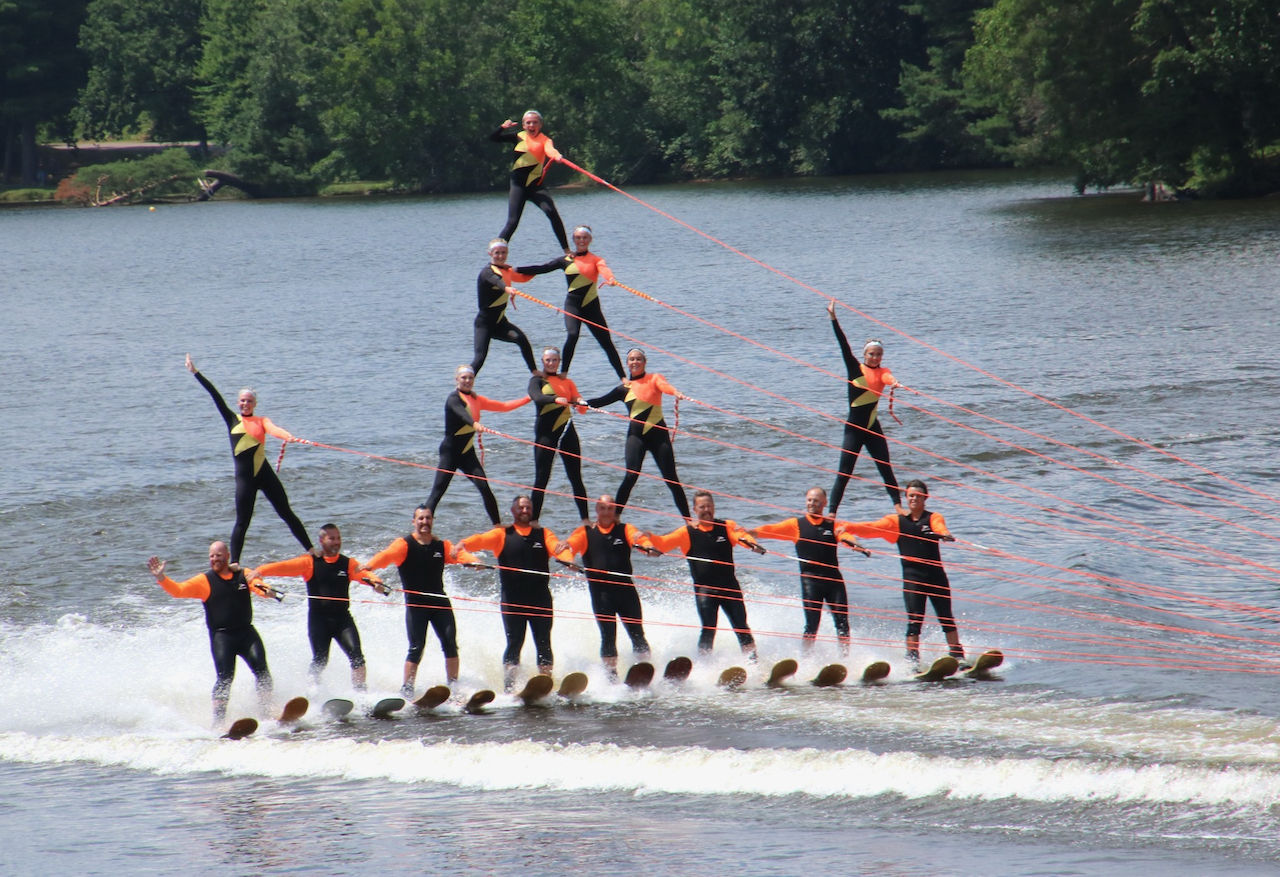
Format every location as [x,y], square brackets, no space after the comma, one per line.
[1133,91]
[143,56]
[41,70]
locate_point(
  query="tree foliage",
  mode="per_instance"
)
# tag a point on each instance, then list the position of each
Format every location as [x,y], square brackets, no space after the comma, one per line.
[1182,91]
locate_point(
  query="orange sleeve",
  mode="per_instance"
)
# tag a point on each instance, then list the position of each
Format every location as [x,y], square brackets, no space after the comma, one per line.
[353,571]
[886,528]
[887,378]
[603,271]
[550,150]
[660,383]
[196,588]
[491,541]
[938,525]
[553,544]
[395,553]
[737,535]
[787,531]
[299,566]
[635,536]
[463,556]
[487,404]
[678,538]
[275,430]
[575,544]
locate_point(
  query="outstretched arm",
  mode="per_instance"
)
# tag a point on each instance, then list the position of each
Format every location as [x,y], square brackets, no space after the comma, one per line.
[851,365]
[227,414]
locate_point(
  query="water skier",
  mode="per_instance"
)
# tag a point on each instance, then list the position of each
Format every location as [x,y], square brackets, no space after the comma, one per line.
[249,450]
[329,579]
[421,557]
[648,431]
[917,534]
[583,271]
[494,288]
[524,551]
[708,544]
[555,396]
[605,547]
[862,428]
[534,153]
[228,613]
[817,537]
[458,449]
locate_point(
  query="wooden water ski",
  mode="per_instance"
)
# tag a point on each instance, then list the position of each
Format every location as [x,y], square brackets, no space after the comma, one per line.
[640,675]
[478,701]
[572,685]
[832,674]
[294,710]
[433,697]
[384,708]
[240,729]
[940,669]
[733,678]
[986,662]
[536,689]
[875,672]
[337,708]
[678,669]
[782,671]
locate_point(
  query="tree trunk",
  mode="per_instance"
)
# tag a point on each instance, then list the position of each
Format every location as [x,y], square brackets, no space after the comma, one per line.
[253,190]
[29,156]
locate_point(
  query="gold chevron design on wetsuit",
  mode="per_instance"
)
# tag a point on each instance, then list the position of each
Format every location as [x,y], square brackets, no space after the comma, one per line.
[646,412]
[501,301]
[867,398]
[468,430]
[248,442]
[525,159]
[577,280]
[551,406]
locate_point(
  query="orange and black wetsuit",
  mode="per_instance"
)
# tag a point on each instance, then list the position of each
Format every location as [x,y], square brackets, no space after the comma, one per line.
[606,553]
[491,321]
[553,430]
[648,432]
[421,569]
[329,605]
[458,450]
[524,574]
[583,272]
[253,473]
[816,541]
[709,548]
[533,155]
[862,427]
[923,578]
[228,613]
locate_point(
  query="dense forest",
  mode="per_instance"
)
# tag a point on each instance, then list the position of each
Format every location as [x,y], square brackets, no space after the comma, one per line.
[1183,93]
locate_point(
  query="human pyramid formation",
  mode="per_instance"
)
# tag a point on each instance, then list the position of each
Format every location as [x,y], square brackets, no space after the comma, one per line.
[524,549]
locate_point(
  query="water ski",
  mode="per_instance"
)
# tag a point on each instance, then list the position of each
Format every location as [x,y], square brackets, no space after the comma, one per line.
[240,729]
[536,689]
[986,662]
[478,701]
[875,672]
[433,697]
[832,674]
[572,685]
[337,708]
[782,671]
[678,669]
[294,710]
[941,669]
[640,675]
[732,678]
[385,707]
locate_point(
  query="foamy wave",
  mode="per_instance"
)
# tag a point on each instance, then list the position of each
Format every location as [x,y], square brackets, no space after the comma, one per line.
[682,770]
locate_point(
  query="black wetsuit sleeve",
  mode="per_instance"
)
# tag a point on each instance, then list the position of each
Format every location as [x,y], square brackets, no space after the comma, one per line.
[558,264]
[617,394]
[851,364]
[227,414]
[535,392]
[506,135]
